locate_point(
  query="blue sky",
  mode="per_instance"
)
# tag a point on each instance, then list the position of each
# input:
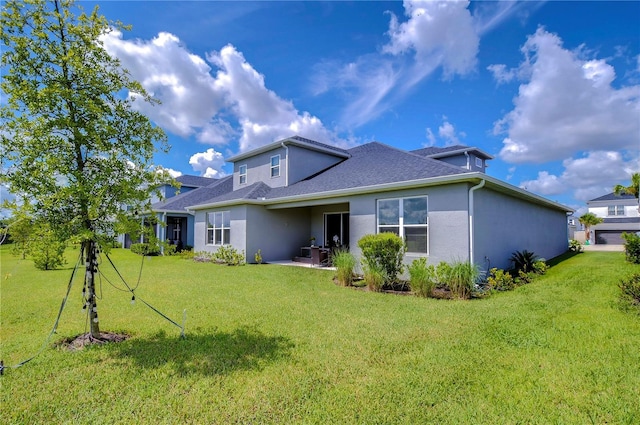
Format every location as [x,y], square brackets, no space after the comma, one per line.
[551,89]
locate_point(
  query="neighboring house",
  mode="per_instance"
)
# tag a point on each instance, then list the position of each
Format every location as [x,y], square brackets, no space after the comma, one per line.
[178,223]
[620,214]
[438,199]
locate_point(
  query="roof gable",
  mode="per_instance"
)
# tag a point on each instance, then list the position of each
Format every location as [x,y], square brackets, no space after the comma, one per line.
[613,197]
[441,152]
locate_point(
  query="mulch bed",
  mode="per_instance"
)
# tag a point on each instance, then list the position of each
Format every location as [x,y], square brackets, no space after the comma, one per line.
[80,341]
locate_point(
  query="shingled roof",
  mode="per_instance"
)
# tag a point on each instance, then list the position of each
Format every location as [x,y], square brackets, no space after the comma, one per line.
[368,165]
[439,152]
[194,181]
[215,189]
[613,197]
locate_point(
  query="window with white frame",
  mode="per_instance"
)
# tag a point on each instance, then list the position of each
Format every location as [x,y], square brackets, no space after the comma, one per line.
[242,171]
[615,210]
[218,228]
[478,162]
[407,218]
[275,166]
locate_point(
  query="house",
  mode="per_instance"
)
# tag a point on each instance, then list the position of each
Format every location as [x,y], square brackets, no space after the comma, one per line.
[440,200]
[168,206]
[619,213]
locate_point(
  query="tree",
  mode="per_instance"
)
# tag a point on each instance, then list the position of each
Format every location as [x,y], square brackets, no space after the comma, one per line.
[73,142]
[632,189]
[45,248]
[589,219]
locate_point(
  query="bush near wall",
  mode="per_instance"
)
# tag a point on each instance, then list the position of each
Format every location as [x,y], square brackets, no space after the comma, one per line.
[632,247]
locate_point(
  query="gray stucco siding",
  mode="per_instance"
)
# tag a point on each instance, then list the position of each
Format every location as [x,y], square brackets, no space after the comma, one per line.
[447,220]
[278,234]
[237,225]
[304,163]
[504,224]
[259,169]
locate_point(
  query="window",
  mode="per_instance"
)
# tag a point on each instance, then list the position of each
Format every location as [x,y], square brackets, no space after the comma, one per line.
[478,162]
[615,210]
[275,166]
[407,218]
[218,228]
[243,174]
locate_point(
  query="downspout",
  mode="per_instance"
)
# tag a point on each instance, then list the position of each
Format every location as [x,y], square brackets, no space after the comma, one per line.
[471,213]
[468,161]
[286,171]
[163,232]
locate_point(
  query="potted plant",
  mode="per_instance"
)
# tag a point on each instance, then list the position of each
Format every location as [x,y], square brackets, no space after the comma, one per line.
[312,240]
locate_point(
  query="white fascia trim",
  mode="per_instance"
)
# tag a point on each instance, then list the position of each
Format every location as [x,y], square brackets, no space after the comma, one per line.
[474,177]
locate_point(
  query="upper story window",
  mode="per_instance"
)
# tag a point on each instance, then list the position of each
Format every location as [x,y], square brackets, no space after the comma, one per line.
[615,210]
[275,166]
[407,218]
[243,174]
[478,162]
[218,228]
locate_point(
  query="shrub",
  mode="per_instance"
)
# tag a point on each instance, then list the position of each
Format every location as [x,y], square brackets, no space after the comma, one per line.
[46,250]
[540,266]
[443,271]
[523,260]
[500,280]
[226,254]
[630,288]
[169,249]
[345,264]
[257,257]
[575,246]
[202,256]
[422,277]
[375,277]
[632,247]
[462,278]
[145,249]
[383,251]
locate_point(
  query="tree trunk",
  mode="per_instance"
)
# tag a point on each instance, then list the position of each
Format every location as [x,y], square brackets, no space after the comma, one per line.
[91,263]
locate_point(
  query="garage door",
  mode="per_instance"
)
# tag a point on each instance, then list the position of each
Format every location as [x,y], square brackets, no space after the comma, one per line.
[609,237]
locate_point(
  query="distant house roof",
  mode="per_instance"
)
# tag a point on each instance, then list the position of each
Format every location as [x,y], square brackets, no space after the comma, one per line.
[194,181]
[296,141]
[440,152]
[178,203]
[613,197]
[370,167]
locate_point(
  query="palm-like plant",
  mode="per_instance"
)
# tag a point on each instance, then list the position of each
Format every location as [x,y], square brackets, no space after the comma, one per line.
[589,219]
[632,189]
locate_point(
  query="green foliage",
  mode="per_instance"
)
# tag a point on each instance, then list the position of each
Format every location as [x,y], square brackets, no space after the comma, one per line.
[540,266]
[422,277]
[632,247]
[500,280]
[630,288]
[45,248]
[345,264]
[375,277]
[523,260]
[147,249]
[258,257]
[226,254]
[384,251]
[461,278]
[632,189]
[79,150]
[575,246]
[589,219]
[559,352]
[20,230]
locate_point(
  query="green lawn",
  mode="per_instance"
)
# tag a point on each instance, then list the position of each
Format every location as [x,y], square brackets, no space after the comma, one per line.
[275,344]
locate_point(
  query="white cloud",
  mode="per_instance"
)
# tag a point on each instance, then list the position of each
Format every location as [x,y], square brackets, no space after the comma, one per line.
[262,115]
[209,163]
[587,177]
[173,173]
[446,132]
[566,105]
[178,78]
[441,33]
[215,105]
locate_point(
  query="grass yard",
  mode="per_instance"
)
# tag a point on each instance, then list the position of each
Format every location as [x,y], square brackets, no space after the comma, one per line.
[276,344]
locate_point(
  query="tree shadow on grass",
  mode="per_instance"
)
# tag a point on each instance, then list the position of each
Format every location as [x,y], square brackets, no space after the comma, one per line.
[219,353]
